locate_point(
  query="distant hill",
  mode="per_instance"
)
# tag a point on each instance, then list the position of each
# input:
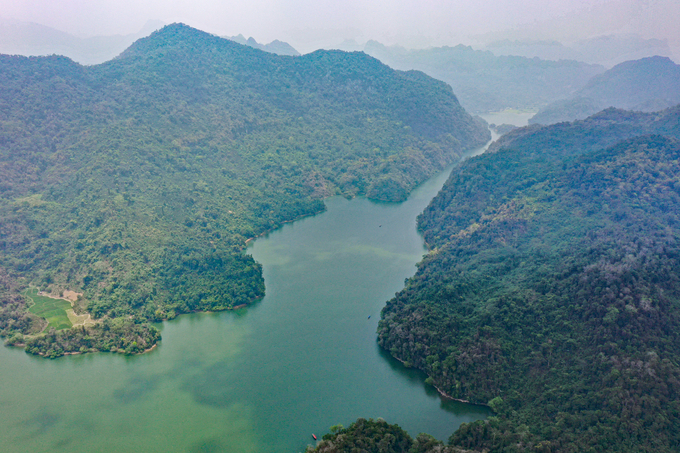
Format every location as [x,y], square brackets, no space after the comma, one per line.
[605,50]
[552,288]
[138,181]
[646,85]
[484,82]
[30,39]
[276,46]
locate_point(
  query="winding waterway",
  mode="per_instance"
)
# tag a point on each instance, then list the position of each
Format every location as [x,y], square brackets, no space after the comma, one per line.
[261,379]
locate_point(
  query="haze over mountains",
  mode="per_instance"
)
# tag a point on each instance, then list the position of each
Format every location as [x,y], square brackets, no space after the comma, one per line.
[276,46]
[27,38]
[605,50]
[604,32]
[503,77]
[484,82]
[646,85]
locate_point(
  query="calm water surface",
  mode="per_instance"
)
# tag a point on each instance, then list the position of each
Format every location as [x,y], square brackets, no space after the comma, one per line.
[261,379]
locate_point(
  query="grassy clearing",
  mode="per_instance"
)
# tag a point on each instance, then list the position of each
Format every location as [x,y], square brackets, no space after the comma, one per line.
[53,310]
[80,320]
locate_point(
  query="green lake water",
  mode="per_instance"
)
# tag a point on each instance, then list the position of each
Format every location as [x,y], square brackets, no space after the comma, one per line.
[261,379]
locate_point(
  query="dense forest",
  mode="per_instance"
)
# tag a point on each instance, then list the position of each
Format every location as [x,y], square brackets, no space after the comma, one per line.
[552,288]
[138,181]
[377,436]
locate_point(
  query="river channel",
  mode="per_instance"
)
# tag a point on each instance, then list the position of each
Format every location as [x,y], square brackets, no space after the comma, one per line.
[260,379]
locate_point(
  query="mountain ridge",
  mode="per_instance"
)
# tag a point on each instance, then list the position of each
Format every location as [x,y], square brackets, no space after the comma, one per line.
[485,82]
[649,84]
[276,46]
[137,181]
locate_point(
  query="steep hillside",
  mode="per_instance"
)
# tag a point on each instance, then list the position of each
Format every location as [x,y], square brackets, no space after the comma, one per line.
[646,85]
[484,82]
[552,290]
[138,181]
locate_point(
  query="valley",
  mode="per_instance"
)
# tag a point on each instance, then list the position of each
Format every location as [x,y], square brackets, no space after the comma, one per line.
[225,245]
[137,182]
[262,378]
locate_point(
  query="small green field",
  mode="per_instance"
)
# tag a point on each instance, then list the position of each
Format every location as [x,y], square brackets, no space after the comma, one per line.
[53,310]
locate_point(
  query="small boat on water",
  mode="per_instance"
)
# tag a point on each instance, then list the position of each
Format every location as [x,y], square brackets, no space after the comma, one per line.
[314,436]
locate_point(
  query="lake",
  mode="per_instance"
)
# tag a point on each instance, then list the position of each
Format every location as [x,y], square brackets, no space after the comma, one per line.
[260,379]
[517,118]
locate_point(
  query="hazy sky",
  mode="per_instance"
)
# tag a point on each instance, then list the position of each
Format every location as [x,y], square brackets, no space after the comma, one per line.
[310,23]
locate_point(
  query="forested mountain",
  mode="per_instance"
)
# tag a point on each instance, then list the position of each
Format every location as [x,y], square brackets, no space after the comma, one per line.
[552,289]
[484,82]
[138,181]
[647,85]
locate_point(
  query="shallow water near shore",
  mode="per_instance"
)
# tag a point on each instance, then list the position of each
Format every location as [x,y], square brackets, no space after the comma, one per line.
[260,379]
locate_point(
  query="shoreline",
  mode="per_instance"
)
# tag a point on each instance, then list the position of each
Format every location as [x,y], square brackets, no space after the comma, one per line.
[459,158]
[271,230]
[40,354]
[442,393]
[23,345]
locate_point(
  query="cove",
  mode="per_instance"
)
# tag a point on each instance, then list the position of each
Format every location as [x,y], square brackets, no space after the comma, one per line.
[261,379]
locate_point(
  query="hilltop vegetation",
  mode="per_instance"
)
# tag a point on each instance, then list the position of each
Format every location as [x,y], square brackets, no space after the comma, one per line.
[377,436]
[138,181]
[552,290]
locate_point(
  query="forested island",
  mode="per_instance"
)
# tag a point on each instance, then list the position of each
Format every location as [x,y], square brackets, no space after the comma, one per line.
[138,181]
[552,289]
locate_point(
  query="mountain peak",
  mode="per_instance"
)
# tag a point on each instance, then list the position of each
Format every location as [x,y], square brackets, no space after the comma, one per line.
[173,35]
[178,32]
[656,61]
